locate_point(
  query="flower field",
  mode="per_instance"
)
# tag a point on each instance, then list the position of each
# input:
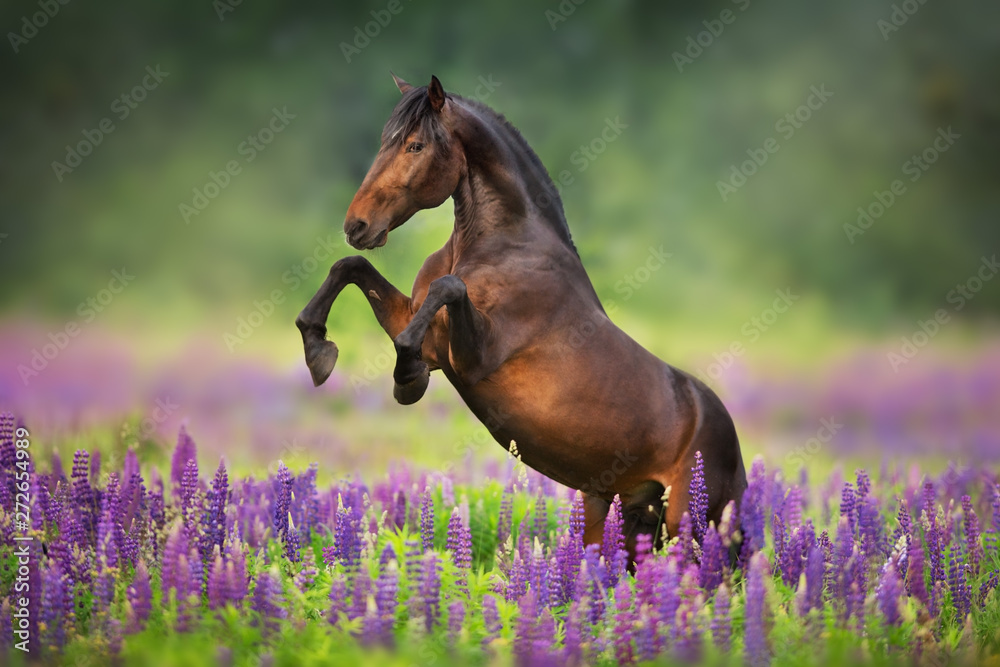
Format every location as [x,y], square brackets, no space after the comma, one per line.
[130,564]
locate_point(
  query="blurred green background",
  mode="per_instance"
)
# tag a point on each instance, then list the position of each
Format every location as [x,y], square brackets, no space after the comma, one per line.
[559,72]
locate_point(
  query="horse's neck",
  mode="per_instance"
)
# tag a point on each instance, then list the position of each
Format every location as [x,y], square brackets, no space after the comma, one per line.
[493,199]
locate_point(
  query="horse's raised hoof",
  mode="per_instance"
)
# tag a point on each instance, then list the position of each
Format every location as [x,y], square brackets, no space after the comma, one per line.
[411,392]
[321,357]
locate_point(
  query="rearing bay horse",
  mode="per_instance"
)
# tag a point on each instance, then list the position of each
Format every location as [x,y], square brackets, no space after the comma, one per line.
[507,312]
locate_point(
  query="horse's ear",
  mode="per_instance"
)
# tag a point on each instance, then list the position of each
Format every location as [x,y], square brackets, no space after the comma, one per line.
[435,93]
[402,85]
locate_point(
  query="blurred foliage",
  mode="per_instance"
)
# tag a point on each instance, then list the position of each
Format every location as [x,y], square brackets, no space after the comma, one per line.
[558,83]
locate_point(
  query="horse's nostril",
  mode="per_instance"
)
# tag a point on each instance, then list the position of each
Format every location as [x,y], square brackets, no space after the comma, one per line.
[355,227]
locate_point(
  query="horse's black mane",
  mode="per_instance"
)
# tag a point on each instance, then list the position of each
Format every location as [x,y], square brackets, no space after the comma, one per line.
[414,110]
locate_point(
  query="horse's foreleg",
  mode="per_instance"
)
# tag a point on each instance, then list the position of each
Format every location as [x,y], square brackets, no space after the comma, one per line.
[391,308]
[467,331]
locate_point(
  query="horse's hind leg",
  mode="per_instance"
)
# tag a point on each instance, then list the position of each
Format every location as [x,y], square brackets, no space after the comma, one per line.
[391,308]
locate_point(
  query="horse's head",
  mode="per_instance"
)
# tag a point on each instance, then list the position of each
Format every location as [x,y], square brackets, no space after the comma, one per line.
[418,166]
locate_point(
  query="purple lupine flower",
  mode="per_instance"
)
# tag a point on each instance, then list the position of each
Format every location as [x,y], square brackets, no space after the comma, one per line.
[427,520]
[889,590]
[992,538]
[722,624]
[973,545]
[171,575]
[577,517]
[646,637]
[592,581]
[491,619]
[779,538]
[540,526]
[361,586]
[538,575]
[812,593]
[863,482]
[958,584]
[218,584]
[853,589]
[388,554]
[915,581]
[525,631]
[687,631]
[306,510]
[430,589]
[517,582]
[904,530]
[643,548]
[104,588]
[791,508]
[84,504]
[752,511]
[613,545]
[338,599]
[456,617]
[935,548]
[184,451]
[6,626]
[215,529]
[459,542]
[699,498]
[236,570]
[667,591]
[870,528]
[566,565]
[268,601]
[505,521]
[622,623]
[685,544]
[109,531]
[848,506]
[55,594]
[8,455]
[572,654]
[190,510]
[755,642]
[282,505]
[714,556]
[386,601]
[347,540]
[989,585]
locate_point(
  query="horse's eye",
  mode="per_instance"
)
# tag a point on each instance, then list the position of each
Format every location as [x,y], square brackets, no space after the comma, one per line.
[415,147]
